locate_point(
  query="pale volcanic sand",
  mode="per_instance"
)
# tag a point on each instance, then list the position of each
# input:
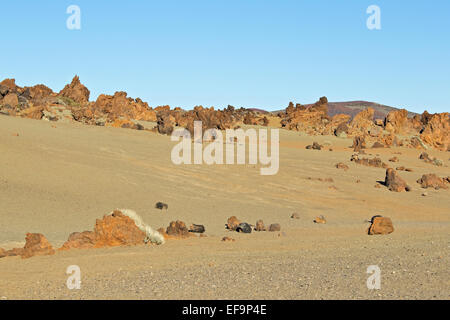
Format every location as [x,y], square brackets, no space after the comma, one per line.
[59,180]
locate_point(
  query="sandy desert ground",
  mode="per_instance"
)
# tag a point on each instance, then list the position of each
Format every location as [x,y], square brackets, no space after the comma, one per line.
[57,178]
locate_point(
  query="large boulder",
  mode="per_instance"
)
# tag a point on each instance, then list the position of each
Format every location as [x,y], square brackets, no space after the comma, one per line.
[362,123]
[432,181]
[113,230]
[436,132]
[380,225]
[396,121]
[178,229]
[11,99]
[394,182]
[233,223]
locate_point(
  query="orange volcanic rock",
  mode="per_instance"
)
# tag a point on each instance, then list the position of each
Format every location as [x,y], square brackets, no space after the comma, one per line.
[228,239]
[80,240]
[111,108]
[76,91]
[320,219]
[341,165]
[259,226]
[359,143]
[9,84]
[113,230]
[11,99]
[14,252]
[432,181]
[312,120]
[177,229]
[394,182]
[436,131]
[362,122]
[38,95]
[164,123]
[396,121]
[214,119]
[381,225]
[117,230]
[340,122]
[33,113]
[2,253]
[233,223]
[119,123]
[36,245]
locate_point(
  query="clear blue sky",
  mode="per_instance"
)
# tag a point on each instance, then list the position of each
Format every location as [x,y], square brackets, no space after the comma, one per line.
[250,53]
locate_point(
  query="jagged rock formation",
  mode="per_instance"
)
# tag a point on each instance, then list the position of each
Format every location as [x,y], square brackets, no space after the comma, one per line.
[118,110]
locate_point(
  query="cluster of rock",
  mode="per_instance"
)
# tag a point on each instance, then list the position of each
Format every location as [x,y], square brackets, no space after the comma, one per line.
[229,118]
[116,229]
[397,129]
[234,224]
[118,110]
[72,104]
[35,245]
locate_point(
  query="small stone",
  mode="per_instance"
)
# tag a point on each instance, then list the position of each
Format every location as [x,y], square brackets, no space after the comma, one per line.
[320,219]
[295,216]
[228,239]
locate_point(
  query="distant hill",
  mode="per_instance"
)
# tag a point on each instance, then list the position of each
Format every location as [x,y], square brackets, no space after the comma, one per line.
[354,107]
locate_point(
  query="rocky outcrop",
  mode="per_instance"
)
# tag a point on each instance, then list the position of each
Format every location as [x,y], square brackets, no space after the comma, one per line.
[311,120]
[36,245]
[76,91]
[164,123]
[111,108]
[113,230]
[362,123]
[436,131]
[396,121]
